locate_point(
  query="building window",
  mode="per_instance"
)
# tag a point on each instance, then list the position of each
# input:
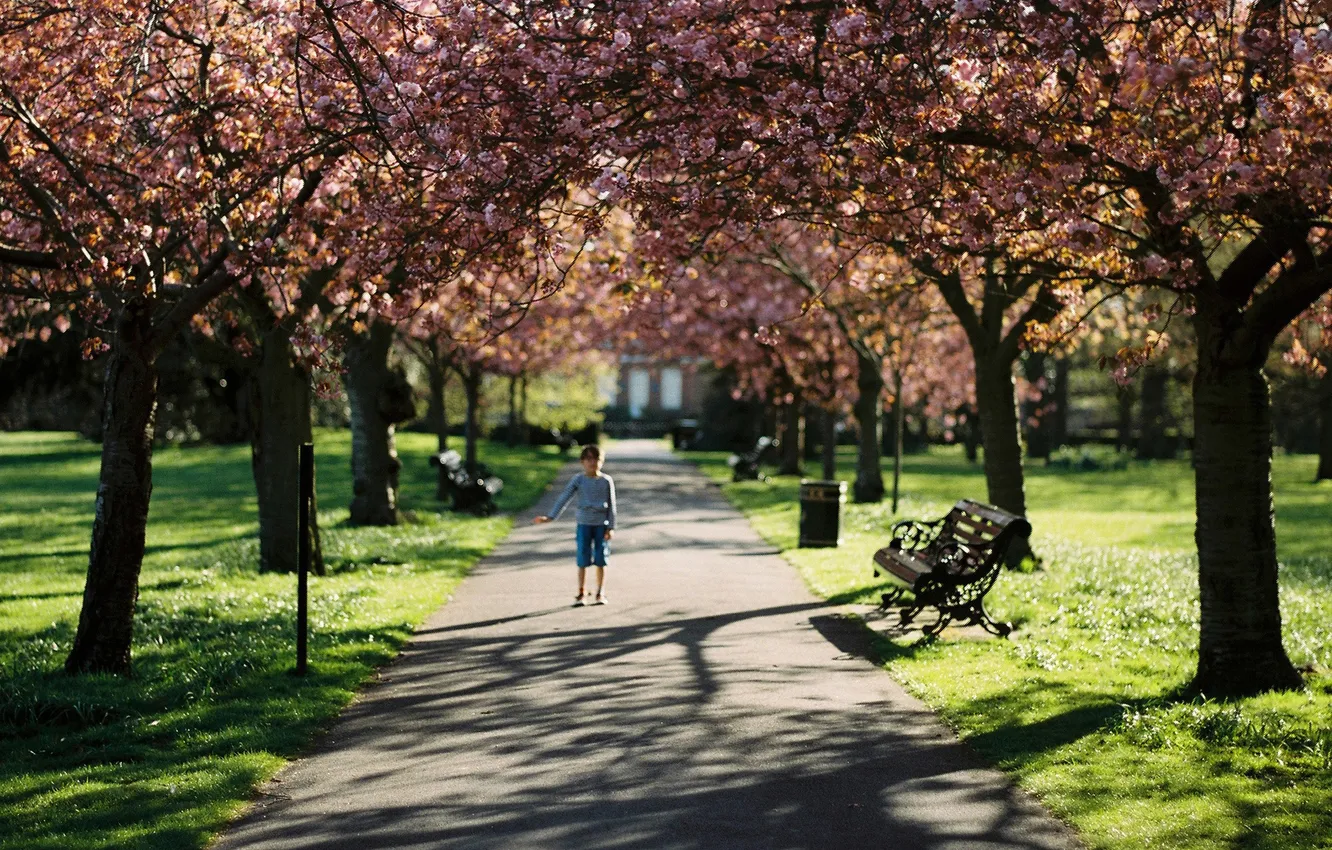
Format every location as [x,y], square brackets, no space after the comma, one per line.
[607,389]
[639,386]
[672,388]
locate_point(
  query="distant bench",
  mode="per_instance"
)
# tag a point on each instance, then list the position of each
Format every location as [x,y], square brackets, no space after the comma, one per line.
[747,466]
[951,563]
[472,492]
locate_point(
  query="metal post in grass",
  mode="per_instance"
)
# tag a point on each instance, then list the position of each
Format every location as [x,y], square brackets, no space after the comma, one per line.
[303,555]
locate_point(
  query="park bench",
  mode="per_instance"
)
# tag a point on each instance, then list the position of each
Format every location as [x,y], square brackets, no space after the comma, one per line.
[951,563]
[470,492]
[745,467]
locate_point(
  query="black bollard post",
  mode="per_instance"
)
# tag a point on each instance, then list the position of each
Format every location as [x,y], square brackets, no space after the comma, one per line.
[303,556]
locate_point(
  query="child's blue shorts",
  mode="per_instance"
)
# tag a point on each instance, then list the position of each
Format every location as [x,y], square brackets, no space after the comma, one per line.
[592,545]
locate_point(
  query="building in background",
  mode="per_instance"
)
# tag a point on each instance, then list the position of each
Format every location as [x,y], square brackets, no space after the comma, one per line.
[649,397]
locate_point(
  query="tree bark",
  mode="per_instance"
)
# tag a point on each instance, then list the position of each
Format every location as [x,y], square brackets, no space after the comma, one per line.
[280,422]
[1325,426]
[868,486]
[106,622]
[1239,643]
[1152,441]
[374,457]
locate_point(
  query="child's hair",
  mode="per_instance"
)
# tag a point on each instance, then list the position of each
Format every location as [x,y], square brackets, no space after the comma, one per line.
[593,452]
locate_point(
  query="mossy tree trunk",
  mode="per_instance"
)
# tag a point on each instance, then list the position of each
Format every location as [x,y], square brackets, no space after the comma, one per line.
[792,439]
[280,422]
[471,380]
[124,488]
[868,486]
[1036,411]
[1325,426]
[1240,650]
[1239,643]
[379,398]
[1153,443]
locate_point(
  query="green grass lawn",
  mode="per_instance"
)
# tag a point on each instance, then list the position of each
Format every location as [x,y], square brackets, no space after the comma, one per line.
[1081,705]
[164,759]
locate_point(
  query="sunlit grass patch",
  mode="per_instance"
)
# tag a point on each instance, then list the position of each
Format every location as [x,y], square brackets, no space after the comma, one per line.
[1083,704]
[164,759]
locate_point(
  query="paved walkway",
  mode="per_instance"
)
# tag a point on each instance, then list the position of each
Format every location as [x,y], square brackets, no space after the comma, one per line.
[714,704]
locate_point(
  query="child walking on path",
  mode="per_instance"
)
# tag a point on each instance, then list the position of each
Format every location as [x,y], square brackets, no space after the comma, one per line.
[595,517]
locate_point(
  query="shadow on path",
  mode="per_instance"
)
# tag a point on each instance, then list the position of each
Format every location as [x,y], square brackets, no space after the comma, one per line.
[713,704]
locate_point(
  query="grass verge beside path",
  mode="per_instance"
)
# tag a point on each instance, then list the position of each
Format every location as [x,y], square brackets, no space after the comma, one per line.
[164,759]
[1080,705]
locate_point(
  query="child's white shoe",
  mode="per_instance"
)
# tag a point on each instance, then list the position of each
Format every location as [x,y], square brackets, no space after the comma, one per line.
[580,600]
[601,599]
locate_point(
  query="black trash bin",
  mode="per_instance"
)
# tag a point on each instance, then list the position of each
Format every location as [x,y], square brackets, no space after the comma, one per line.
[683,434]
[821,513]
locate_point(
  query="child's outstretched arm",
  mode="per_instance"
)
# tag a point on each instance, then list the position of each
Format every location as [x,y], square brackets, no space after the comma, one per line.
[565,496]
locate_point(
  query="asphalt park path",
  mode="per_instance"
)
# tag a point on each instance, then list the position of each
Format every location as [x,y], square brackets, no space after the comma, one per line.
[714,704]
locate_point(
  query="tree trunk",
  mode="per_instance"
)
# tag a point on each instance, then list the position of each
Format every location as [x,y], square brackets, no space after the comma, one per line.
[374,457]
[1239,644]
[1124,427]
[106,621]
[437,415]
[522,412]
[868,486]
[1059,411]
[472,387]
[829,445]
[280,423]
[790,449]
[811,432]
[1325,426]
[1152,441]
[513,411]
[899,432]
[996,401]
[1035,413]
[971,433]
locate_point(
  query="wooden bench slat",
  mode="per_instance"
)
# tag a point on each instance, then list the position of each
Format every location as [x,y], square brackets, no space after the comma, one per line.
[993,514]
[901,564]
[971,539]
